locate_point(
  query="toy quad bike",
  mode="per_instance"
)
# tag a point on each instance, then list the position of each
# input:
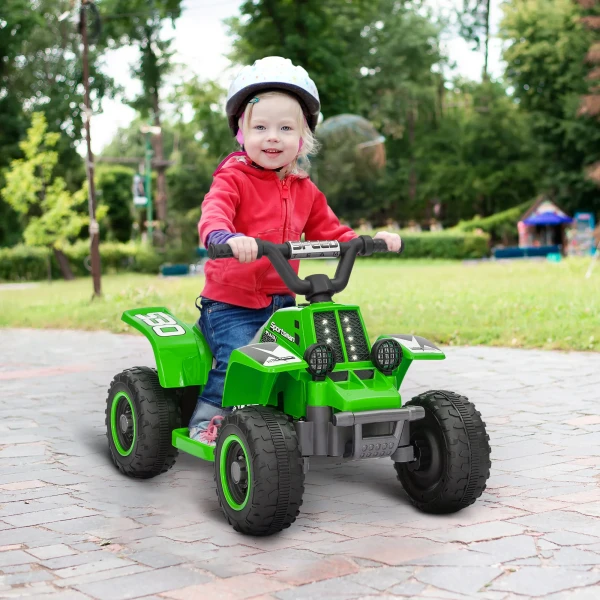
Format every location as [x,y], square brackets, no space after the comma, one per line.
[311,385]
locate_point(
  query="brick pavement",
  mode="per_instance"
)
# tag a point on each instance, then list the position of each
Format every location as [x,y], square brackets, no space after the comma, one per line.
[73,528]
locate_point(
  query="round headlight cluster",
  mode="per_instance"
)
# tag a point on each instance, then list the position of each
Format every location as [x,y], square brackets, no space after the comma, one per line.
[386,355]
[320,359]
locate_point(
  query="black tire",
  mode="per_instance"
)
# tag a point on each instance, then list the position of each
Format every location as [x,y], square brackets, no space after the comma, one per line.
[267,496]
[145,414]
[453,454]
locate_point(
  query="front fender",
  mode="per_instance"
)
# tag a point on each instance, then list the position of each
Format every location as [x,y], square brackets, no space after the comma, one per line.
[414,347]
[182,355]
[256,373]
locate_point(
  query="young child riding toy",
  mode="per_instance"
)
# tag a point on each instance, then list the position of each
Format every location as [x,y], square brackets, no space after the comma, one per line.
[259,192]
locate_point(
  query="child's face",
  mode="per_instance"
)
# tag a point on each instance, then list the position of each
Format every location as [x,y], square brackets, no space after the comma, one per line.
[272,138]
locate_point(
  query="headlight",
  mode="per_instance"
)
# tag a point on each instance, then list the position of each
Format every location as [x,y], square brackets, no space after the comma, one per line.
[320,359]
[386,355]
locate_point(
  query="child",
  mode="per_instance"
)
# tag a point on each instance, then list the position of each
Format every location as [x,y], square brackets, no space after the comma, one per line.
[261,192]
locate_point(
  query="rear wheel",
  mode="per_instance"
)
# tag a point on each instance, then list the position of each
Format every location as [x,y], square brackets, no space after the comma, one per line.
[452,454]
[258,473]
[140,416]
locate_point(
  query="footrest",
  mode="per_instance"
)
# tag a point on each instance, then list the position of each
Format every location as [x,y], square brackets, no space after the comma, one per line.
[181,440]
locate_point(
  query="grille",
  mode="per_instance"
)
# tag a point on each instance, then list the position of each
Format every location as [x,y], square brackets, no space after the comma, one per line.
[327,333]
[349,319]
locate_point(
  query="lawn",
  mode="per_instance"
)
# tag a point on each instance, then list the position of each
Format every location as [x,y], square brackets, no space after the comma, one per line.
[528,304]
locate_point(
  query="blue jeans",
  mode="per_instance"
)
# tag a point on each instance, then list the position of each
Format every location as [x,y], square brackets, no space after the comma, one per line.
[226,327]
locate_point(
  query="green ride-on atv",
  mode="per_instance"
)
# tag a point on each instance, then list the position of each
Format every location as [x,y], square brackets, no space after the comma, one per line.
[311,385]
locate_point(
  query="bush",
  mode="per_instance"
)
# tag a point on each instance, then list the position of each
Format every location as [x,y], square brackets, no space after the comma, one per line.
[25,263]
[442,244]
[502,227]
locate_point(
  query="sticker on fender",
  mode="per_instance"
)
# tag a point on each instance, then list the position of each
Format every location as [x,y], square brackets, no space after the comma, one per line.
[270,355]
[162,324]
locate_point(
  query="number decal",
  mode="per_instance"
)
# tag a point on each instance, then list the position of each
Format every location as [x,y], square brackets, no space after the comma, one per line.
[163,325]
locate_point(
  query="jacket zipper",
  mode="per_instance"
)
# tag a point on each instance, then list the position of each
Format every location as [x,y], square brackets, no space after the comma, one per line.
[285,196]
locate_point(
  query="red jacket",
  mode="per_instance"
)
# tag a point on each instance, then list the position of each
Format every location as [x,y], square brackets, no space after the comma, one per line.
[257,203]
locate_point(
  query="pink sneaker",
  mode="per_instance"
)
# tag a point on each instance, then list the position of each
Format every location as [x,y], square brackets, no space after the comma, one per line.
[209,435]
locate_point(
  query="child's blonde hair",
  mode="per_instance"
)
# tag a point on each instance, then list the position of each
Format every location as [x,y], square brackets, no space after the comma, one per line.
[310,146]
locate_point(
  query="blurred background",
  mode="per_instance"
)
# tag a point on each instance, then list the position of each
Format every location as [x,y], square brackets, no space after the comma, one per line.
[472,126]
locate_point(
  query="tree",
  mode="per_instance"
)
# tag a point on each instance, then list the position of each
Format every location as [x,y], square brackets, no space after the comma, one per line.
[474,23]
[50,211]
[323,37]
[134,22]
[546,65]
[479,162]
[115,186]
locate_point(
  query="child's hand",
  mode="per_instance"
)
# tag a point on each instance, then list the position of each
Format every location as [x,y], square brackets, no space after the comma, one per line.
[244,248]
[391,239]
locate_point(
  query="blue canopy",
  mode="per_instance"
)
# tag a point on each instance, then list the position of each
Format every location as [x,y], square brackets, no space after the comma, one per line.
[547,218]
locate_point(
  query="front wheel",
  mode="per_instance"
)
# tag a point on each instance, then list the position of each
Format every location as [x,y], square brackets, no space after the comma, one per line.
[258,472]
[452,454]
[140,418]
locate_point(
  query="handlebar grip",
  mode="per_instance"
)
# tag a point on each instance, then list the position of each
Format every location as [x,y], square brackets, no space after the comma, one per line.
[379,245]
[220,251]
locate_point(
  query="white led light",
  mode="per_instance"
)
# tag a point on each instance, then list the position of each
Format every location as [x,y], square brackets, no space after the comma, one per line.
[351,339]
[324,321]
[352,348]
[354,357]
[348,329]
[346,319]
[327,331]
[329,340]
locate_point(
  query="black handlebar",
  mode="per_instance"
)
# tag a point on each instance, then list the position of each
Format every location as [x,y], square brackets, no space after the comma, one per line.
[316,288]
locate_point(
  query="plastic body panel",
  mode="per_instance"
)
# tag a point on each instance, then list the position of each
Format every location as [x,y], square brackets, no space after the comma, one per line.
[182,355]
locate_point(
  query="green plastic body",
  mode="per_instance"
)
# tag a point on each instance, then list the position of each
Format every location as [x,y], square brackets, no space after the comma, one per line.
[183,359]
[291,388]
[182,355]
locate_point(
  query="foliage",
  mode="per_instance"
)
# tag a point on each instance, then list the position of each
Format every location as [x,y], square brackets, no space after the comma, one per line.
[481,158]
[291,28]
[447,245]
[25,263]
[501,227]
[114,185]
[136,22]
[545,55]
[50,210]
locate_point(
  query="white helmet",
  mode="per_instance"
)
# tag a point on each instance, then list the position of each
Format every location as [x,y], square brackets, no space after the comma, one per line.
[272,73]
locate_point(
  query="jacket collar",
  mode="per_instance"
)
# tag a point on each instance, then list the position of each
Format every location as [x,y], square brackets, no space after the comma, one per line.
[241,161]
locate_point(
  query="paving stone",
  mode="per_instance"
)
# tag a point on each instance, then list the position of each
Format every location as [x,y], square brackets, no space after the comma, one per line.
[143,584]
[474,533]
[54,551]
[460,580]
[48,516]
[539,581]
[569,538]
[507,549]
[356,532]
[14,557]
[574,556]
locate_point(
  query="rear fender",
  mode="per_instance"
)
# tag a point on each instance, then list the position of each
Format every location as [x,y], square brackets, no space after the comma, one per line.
[182,355]
[414,347]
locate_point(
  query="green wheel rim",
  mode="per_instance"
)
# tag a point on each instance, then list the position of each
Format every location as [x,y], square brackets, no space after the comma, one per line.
[123,423]
[235,473]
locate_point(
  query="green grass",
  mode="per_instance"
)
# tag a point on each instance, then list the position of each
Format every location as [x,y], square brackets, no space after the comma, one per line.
[520,303]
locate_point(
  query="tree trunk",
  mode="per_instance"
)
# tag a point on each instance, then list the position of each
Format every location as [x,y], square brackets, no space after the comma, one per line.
[412,175]
[487,41]
[161,192]
[63,263]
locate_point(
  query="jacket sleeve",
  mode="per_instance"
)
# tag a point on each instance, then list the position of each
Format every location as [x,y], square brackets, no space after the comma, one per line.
[322,223]
[219,206]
